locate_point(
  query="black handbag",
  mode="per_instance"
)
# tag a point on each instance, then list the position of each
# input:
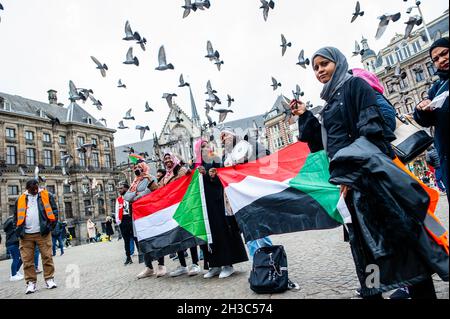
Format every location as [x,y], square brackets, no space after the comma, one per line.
[411,141]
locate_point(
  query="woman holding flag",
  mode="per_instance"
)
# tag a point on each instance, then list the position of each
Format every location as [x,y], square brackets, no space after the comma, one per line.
[390,244]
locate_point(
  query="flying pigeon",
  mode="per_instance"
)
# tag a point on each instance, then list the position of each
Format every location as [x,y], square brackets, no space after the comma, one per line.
[275,84]
[284,45]
[103,120]
[211,54]
[22,170]
[188,6]
[223,114]
[213,99]
[169,98]
[102,67]
[298,92]
[218,63]
[129,35]
[202,4]
[122,126]
[162,61]
[128,115]
[412,21]
[142,129]
[357,51]
[301,60]
[266,6]
[148,108]
[209,89]
[398,74]
[130,58]
[73,92]
[309,105]
[96,102]
[141,41]
[357,12]
[211,123]
[229,100]
[121,85]
[182,83]
[384,21]
[129,150]
[54,120]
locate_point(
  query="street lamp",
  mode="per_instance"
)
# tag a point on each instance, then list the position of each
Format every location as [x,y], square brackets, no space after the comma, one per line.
[417,6]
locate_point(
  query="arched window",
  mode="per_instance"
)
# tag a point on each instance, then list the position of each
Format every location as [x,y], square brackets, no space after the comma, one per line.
[409,105]
[398,54]
[431,68]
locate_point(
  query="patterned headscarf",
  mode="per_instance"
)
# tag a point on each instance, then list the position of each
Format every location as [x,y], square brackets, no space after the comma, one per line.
[340,75]
[145,169]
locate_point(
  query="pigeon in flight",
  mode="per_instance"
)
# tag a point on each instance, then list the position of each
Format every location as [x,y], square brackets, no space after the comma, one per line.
[209,89]
[188,6]
[223,114]
[284,45]
[121,85]
[202,4]
[384,21]
[147,107]
[103,120]
[275,84]
[218,63]
[398,74]
[128,116]
[162,61]
[22,170]
[54,120]
[142,129]
[213,99]
[211,123]
[357,51]
[96,102]
[412,21]
[357,12]
[73,92]
[141,41]
[266,5]
[182,83]
[211,54]
[122,126]
[102,67]
[229,100]
[129,150]
[301,60]
[298,92]
[129,35]
[1,8]
[309,105]
[130,58]
[169,99]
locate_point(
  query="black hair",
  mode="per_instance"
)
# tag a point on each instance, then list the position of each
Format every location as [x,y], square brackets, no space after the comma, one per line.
[162,171]
[124,184]
[31,183]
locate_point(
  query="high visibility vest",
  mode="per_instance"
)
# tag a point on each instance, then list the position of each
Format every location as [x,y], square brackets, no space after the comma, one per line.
[432,224]
[22,207]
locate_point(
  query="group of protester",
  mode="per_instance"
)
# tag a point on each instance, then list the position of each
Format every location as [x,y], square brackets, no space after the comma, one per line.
[354,128]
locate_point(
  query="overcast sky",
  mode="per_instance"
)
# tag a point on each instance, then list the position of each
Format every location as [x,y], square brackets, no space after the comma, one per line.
[46,43]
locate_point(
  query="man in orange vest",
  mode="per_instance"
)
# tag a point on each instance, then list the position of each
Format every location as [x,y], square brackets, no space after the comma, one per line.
[36,216]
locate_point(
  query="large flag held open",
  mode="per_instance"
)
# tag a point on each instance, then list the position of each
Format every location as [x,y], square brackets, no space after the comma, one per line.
[172,218]
[287,191]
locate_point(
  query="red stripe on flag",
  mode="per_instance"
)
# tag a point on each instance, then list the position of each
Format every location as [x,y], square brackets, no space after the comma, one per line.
[279,166]
[161,198]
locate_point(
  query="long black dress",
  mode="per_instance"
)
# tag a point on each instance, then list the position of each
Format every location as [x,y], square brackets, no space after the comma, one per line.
[227,247]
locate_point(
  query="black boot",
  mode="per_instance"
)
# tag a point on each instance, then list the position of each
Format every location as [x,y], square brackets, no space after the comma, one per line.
[128,261]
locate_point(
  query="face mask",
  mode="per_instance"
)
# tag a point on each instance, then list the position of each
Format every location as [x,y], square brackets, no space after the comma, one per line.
[137,172]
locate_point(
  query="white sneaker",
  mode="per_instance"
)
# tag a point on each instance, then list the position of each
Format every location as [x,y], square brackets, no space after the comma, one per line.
[227,271]
[194,270]
[16,277]
[31,288]
[147,272]
[214,271]
[179,271]
[51,284]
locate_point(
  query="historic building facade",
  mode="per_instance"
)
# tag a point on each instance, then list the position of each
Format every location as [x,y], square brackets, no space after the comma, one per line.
[28,138]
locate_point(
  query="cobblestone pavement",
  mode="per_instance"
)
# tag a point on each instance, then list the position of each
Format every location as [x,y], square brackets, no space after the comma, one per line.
[320,261]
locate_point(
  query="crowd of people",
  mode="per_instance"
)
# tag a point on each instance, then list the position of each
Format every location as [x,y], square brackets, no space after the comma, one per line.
[356,117]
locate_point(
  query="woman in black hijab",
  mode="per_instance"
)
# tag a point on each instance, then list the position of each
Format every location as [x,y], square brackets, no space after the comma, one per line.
[389,247]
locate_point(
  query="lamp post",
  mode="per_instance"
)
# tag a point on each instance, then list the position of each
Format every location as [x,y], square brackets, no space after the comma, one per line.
[417,6]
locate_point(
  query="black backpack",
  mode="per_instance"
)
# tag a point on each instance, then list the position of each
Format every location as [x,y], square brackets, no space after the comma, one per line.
[269,273]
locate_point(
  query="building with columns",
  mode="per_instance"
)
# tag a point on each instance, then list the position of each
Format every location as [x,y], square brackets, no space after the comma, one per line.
[34,133]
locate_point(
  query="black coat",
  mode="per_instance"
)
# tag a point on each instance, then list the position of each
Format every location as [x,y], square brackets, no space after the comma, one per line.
[10,231]
[440,120]
[109,228]
[388,209]
[227,247]
[45,225]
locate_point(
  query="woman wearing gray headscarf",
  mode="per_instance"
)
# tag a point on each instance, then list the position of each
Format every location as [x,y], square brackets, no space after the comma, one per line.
[384,238]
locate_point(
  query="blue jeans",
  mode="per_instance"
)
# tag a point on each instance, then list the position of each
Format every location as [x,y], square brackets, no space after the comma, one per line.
[36,257]
[14,251]
[58,239]
[439,183]
[131,247]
